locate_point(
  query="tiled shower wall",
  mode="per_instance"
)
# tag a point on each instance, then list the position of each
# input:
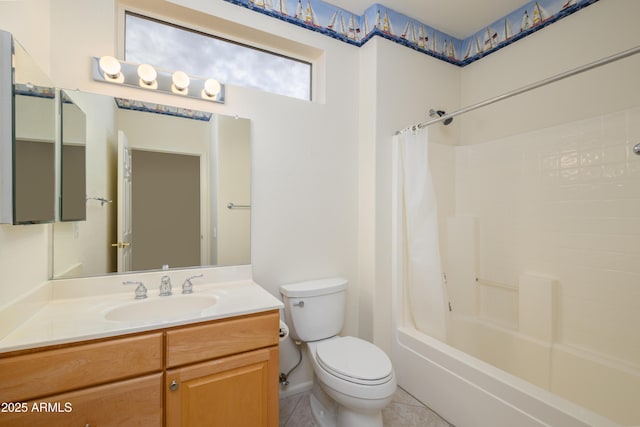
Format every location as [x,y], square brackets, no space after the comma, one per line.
[564,202]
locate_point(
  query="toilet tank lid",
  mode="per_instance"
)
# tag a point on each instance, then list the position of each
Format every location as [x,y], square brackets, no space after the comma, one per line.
[314,287]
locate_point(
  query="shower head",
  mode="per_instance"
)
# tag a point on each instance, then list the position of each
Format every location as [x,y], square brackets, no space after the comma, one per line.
[440,113]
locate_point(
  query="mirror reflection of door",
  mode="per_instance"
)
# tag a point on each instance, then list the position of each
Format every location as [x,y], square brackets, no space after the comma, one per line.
[124,205]
[165,209]
[34,178]
[73,206]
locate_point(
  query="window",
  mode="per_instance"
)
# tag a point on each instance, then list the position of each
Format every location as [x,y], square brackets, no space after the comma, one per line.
[172,47]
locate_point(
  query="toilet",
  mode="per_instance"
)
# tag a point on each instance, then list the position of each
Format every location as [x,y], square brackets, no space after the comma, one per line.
[354,379]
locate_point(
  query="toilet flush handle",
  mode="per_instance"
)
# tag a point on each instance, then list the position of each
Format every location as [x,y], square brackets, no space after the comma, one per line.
[299,304]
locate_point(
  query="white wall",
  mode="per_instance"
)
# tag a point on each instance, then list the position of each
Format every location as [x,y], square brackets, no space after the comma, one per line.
[29,22]
[233,236]
[24,250]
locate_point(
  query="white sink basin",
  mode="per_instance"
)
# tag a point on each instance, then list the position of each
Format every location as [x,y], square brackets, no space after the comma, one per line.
[162,308]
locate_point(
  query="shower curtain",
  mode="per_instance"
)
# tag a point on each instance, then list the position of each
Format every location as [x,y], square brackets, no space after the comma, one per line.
[424,281]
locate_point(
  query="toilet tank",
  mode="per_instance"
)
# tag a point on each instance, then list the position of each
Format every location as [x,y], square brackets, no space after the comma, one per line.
[314,309]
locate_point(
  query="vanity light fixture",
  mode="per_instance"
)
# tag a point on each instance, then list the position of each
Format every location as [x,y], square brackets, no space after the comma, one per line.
[110,70]
[148,76]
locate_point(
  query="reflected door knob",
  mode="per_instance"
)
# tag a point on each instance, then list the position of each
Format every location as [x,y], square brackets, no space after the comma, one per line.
[121,245]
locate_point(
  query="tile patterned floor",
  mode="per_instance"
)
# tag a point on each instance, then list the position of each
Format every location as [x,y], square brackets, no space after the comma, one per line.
[403,411]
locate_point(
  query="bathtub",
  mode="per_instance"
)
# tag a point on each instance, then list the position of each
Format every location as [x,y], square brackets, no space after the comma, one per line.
[471,393]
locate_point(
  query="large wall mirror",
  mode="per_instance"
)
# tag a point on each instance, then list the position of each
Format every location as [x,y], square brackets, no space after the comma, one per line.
[131,186]
[164,187]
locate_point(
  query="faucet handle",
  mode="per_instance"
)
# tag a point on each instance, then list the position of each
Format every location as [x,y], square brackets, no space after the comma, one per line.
[165,286]
[141,290]
[187,286]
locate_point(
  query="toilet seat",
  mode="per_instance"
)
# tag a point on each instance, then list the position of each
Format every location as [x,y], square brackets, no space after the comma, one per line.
[354,360]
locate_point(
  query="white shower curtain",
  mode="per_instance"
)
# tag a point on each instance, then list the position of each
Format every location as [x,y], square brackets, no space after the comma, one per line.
[424,280]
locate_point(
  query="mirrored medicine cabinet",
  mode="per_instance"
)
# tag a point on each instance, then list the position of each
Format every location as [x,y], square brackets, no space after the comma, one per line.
[128,185]
[28,112]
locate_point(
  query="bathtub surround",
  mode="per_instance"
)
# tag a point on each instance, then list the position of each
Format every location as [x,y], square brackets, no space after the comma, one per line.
[536,307]
[557,205]
[462,251]
[522,248]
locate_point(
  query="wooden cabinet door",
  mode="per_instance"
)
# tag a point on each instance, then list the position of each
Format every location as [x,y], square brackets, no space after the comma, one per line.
[136,403]
[235,391]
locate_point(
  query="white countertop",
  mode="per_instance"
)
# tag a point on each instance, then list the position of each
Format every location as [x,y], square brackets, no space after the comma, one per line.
[67,316]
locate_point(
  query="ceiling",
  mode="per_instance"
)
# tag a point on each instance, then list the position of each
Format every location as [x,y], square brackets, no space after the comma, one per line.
[458,18]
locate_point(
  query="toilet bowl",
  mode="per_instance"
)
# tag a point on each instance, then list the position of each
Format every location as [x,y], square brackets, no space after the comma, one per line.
[354,379]
[357,375]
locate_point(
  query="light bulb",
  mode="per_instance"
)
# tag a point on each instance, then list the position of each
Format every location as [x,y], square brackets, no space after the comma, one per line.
[211,88]
[147,76]
[180,82]
[111,68]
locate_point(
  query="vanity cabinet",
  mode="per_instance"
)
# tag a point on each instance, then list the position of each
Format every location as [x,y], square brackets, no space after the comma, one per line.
[216,373]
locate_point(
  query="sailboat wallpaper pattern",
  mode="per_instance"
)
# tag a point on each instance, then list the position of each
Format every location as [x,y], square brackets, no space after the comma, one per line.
[379,20]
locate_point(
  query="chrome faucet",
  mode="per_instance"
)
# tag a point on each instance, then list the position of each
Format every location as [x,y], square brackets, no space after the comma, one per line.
[187,286]
[165,286]
[141,290]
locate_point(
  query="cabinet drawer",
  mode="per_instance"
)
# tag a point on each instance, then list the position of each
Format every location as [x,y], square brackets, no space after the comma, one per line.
[196,343]
[49,372]
[136,402]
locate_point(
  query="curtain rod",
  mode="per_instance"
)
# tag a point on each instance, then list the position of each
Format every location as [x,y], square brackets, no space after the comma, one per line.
[527,88]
